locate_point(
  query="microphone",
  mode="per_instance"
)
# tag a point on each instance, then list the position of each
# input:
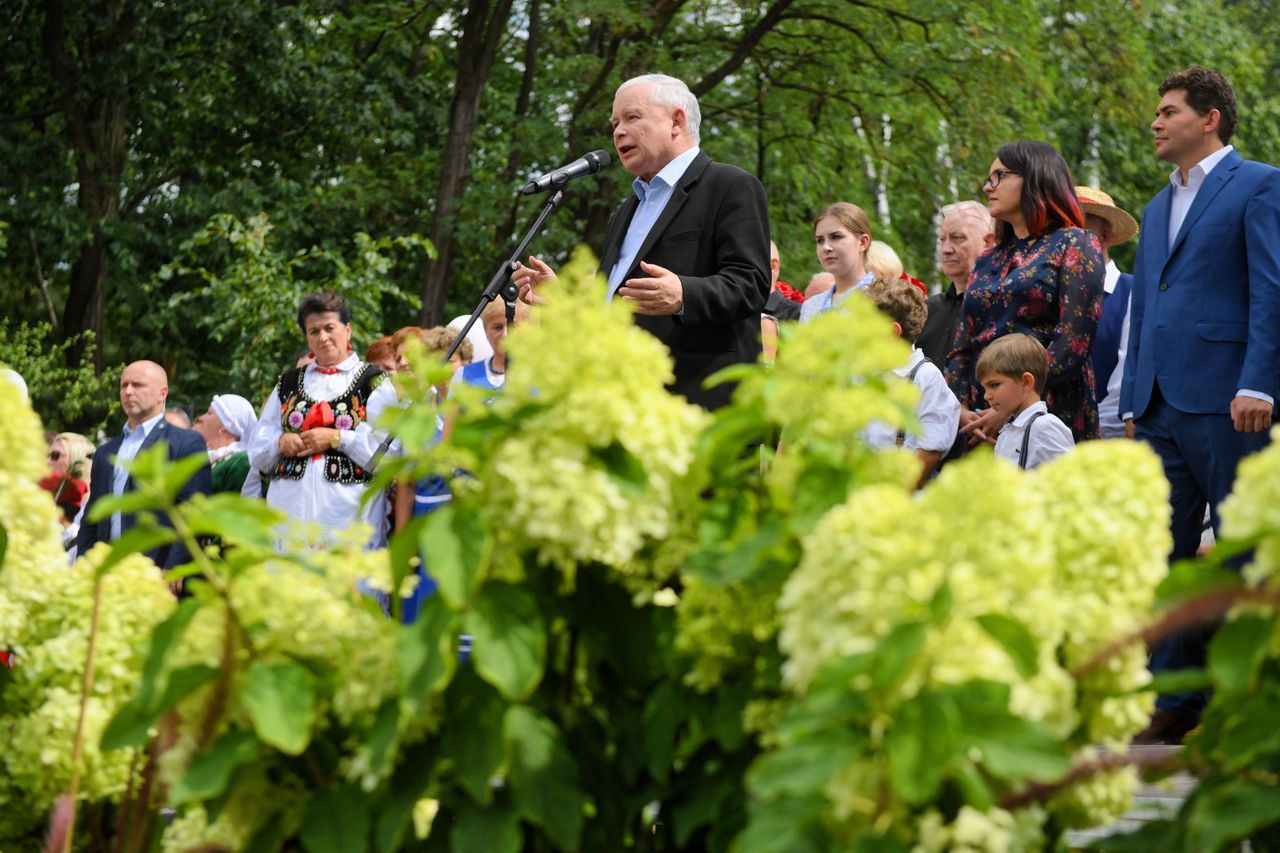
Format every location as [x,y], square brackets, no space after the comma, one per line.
[587,164]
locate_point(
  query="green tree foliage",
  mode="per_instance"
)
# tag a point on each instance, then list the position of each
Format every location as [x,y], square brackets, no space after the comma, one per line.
[125,128]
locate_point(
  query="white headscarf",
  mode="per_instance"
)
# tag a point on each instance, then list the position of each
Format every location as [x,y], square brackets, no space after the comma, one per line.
[238,416]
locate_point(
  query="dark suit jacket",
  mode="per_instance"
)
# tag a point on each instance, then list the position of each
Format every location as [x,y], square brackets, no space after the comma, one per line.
[1106,341]
[181,443]
[714,234]
[1205,320]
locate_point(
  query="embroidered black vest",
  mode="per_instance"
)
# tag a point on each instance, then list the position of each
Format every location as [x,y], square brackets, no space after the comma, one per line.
[348,413]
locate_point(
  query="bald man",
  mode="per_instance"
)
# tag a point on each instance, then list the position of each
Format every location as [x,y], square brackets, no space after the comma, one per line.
[144,386]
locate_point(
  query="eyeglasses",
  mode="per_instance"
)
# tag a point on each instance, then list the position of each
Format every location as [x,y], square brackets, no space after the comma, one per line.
[993,180]
[55,455]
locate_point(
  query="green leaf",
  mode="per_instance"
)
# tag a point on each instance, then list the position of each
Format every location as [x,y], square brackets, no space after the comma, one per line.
[177,473]
[941,603]
[337,820]
[920,745]
[126,503]
[790,825]
[138,539]
[134,719]
[1016,640]
[383,734]
[624,469]
[509,641]
[425,651]
[1238,649]
[1178,681]
[4,543]
[818,489]
[1191,578]
[1229,813]
[1016,749]
[895,654]
[210,771]
[234,519]
[456,543]
[972,785]
[280,700]
[543,777]
[163,638]
[804,768]
[472,733]
[485,830]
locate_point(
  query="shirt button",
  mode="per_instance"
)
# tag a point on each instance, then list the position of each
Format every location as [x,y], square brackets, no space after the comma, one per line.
[1164,286]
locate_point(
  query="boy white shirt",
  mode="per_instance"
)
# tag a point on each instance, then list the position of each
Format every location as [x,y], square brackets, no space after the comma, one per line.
[1050,437]
[938,411]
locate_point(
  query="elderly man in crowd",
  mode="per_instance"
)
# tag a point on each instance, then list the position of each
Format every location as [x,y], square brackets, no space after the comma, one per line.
[965,232]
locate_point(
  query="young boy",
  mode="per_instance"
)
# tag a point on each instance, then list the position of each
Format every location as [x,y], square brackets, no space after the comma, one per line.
[1012,370]
[491,373]
[939,410]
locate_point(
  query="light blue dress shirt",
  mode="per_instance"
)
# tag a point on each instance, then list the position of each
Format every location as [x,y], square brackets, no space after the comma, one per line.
[133,439]
[653,196]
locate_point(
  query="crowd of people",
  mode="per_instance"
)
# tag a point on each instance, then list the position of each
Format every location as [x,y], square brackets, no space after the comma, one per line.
[1036,341]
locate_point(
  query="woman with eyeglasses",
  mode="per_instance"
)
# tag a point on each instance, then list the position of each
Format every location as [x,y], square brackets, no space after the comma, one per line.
[1043,278]
[70,455]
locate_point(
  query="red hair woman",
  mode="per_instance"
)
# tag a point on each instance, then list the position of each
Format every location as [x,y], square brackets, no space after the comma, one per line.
[1042,278]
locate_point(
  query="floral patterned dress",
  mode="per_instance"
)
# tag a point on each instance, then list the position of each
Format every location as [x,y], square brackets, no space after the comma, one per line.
[1048,286]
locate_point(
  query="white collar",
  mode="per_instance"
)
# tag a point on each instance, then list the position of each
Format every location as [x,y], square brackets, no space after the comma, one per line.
[916,357]
[348,364]
[669,174]
[1021,420]
[146,426]
[1112,277]
[1205,166]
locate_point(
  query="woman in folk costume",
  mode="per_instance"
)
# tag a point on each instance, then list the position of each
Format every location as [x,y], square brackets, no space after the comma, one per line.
[316,437]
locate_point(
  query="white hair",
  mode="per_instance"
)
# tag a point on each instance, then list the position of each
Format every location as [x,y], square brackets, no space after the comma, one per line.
[669,92]
[975,209]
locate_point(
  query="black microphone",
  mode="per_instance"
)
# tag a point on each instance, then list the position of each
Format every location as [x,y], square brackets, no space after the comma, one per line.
[587,164]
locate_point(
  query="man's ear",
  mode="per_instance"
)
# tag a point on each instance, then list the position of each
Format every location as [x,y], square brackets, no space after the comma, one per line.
[1028,381]
[897,329]
[989,240]
[1212,120]
[679,121]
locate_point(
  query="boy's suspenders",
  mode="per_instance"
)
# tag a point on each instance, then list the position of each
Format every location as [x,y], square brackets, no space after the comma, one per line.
[911,377]
[1026,440]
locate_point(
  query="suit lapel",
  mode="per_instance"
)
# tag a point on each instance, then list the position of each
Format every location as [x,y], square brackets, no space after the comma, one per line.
[1213,184]
[679,195]
[617,229]
[1155,229]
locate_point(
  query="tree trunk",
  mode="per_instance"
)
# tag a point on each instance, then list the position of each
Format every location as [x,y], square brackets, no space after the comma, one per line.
[482,28]
[96,126]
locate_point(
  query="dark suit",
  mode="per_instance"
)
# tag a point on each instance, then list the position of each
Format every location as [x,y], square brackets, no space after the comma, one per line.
[1204,324]
[714,234]
[181,444]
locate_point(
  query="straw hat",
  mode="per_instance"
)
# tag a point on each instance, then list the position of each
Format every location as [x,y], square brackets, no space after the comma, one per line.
[1123,228]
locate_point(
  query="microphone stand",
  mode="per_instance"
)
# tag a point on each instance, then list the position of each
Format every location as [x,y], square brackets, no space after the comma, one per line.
[501,282]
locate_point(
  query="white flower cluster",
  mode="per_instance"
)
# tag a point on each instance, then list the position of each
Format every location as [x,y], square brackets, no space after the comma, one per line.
[562,478]
[45,617]
[1072,552]
[1253,509]
[973,831]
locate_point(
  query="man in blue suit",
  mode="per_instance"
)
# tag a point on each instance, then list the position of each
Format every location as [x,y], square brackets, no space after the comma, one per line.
[143,389]
[1201,373]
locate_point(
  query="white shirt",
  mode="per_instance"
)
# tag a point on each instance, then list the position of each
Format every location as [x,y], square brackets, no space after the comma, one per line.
[1050,437]
[133,439]
[314,499]
[827,300]
[653,195]
[938,411]
[1184,197]
[1109,405]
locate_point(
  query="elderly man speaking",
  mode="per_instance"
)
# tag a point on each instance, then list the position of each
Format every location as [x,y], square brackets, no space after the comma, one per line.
[690,249]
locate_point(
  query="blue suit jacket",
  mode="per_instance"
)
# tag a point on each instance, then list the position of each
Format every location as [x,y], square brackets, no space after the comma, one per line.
[1106,341]
[1206,311]
[182,443]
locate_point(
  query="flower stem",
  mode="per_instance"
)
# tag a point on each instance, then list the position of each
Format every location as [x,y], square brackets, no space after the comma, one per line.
[86,687]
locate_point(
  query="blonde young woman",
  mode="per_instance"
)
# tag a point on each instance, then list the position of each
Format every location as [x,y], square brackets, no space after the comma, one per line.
[842,236]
